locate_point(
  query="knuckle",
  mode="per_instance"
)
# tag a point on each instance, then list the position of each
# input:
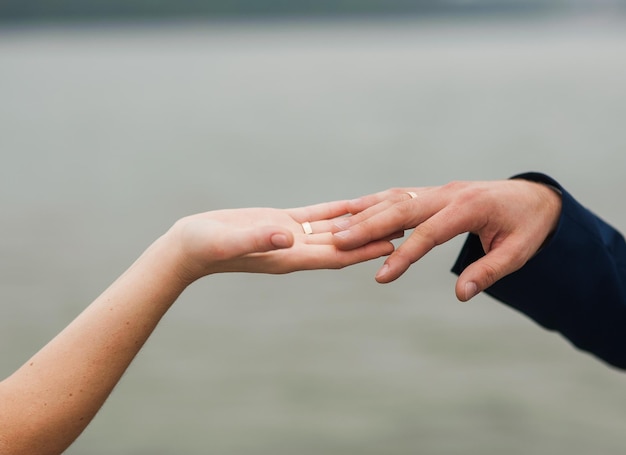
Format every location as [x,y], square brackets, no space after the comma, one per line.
[454,185]
[519,256]
[403,210]
[463,192]
[491,274]
[427,235]
[404,257]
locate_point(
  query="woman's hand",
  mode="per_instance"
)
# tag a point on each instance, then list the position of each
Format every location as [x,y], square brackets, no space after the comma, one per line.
[513,219]
[266,240]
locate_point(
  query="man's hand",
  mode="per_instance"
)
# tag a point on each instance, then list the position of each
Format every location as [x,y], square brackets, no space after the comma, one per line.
[513,219]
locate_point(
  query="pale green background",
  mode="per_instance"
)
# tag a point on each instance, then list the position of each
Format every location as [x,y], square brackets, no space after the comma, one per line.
[109,134]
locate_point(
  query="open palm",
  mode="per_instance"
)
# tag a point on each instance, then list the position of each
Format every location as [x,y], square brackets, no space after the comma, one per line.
[245,240]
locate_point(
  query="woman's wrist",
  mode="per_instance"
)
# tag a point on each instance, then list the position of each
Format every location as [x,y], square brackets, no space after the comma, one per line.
[167,260]
[186,249]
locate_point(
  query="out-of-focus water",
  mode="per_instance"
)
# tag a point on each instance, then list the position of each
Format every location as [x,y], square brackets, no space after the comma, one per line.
[109,134]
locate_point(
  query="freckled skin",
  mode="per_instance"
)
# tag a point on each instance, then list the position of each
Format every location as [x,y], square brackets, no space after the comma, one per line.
[41,411]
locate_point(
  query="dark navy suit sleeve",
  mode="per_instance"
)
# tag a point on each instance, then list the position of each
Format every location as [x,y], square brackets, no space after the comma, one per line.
[575,285]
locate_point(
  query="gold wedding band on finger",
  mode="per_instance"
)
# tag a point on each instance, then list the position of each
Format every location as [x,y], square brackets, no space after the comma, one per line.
[306,227]
[412,194]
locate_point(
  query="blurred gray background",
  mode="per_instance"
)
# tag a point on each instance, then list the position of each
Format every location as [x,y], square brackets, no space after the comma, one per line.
[114,123]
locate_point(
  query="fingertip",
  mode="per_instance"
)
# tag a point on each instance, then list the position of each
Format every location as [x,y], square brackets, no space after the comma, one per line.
[390,248]
[386,274]
[467,291]
[280,240]
[354,205]
[341,224]
[341,239]
[382,273]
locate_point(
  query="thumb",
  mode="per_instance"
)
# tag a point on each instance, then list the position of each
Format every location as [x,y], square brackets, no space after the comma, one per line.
[262,239]
[483,273]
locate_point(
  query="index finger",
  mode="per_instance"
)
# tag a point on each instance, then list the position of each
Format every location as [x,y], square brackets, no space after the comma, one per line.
[436,230]
[381,221]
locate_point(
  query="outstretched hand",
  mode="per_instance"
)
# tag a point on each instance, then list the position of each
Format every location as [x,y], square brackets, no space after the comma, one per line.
[513,218]
[266,240]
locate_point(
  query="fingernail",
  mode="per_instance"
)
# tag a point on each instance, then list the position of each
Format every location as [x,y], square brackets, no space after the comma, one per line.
[342,234]
[342,224]
[383,271]
[280,241]
[471,289]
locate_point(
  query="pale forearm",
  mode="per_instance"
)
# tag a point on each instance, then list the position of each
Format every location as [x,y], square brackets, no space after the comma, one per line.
[53,396]
[47,403]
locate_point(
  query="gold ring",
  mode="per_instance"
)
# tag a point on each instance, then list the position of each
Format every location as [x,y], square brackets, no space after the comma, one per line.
[306,227]
[412,194]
